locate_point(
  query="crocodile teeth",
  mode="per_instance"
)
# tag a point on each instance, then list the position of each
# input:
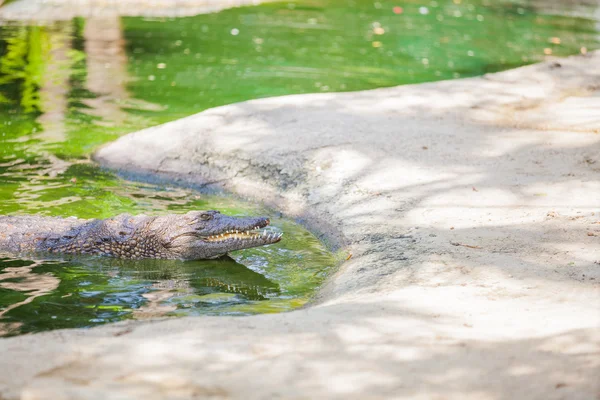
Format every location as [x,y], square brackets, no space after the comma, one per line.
[255,235]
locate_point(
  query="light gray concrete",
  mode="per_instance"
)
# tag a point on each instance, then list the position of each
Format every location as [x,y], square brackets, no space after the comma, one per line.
[469,213]
[44,11]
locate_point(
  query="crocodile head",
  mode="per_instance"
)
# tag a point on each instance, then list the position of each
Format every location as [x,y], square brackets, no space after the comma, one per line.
[210,234]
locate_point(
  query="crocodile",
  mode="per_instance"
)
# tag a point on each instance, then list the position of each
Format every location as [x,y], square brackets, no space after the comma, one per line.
[195,235]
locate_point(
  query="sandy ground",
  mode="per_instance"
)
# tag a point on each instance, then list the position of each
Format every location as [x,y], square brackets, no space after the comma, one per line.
[43,11]
[470,209]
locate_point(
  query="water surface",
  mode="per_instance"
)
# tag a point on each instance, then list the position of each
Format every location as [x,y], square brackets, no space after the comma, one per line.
[82,291]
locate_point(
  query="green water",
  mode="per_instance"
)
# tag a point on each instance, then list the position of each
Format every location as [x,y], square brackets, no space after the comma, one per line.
[68,87]
[74,292]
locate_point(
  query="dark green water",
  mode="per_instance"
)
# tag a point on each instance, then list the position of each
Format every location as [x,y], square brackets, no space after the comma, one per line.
[68,87]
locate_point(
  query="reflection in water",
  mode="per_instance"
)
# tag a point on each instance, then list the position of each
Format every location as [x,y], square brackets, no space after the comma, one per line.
[106,68]
[54,81]
[213,285]
[82,291]
[20,279]
[208,276]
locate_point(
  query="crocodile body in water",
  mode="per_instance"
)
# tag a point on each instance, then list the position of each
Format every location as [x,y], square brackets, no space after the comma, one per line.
[192,236]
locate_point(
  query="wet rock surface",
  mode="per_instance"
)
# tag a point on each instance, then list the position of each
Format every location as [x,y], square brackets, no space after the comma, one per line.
[468,215]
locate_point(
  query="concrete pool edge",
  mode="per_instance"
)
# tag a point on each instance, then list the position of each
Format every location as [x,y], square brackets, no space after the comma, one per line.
[49,11]
[465,205]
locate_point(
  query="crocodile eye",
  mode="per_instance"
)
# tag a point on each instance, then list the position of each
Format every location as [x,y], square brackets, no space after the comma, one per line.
[205,217]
